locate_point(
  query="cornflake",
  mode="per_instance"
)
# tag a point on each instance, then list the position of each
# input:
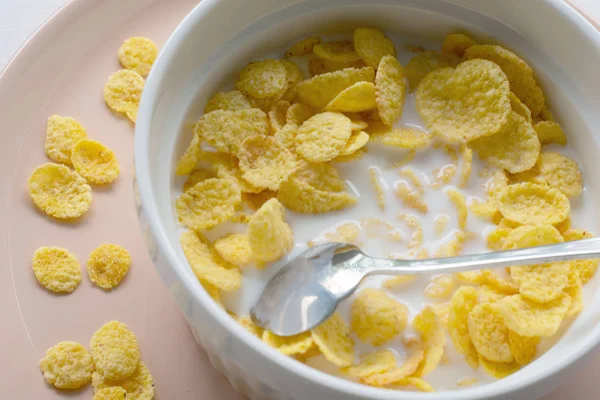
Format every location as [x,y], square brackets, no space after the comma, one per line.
[322,137]
[264,162]
[59,192]
[67,365]
[561,173]
[61,135]
[122,92]
[376,317]
[138,54]
[304,46]
[115,351]
[262,79]
[333,339]
[208,203]
[321,89]
[527,203]
[95,162]
[56,269]
[390,89]
[270,237]
[372,45]
[139,386]
[108,264]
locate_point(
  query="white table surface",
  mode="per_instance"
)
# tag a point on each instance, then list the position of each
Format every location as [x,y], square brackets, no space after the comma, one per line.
[19,19]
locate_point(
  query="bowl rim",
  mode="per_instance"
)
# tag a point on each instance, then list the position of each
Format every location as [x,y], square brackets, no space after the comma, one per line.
[565,9]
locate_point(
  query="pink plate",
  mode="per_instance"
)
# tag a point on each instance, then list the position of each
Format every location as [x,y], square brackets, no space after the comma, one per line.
[62,70]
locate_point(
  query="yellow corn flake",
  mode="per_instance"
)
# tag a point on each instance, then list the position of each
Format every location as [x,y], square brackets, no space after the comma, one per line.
[227,167]
[358,97]
[532,235]
[498,370]
[67,365]
[440,222]
[138,54]
[263,79]
[256,200]
[319,90]
[416,352]
[207,265]
[122,92]
[466,166]
[457,43]
[340,52]
[372,45]
[515,148]
[304,46]
[95,162]
[291,345]
[226,130]
[499,281]
[399,281]
[463,301]
[357,141]
[442,310]
[414,178]
[208,203]
[561,173]
[530,204]
[467,381]
[519,74]
[377,362]
[322,137]
[485,210]
[375,174]
[377,318]
[56,269]
[529,318]
[577,304]
[333,339]
[315,188]
[234,249]
[277,115]
[59,191]
[532,175]
[293,76]
[390,89]
[441,286]
[111,393]
[213,292]
[429,326]
[518,107]
[422,64]
[411,198]
[297,113]
[498,181]
[250,326]
[420,384]
[188,161]
[490,294]
[488,333]
[270,237]
[585,269]
[524,349]
[460,203]
[407,137]
[550,132]
[108,264]
[139,386]
[464,103]
[197,176]
[115,351]
[495,239]
[264,162]
[61,135]
[227,101]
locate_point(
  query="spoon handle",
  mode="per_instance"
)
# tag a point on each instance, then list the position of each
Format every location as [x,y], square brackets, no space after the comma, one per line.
[574,250]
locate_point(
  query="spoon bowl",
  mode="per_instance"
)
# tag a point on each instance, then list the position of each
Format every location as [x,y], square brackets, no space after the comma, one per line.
[307,290]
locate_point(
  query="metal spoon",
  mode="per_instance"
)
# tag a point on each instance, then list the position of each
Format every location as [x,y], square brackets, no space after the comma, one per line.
[306,291]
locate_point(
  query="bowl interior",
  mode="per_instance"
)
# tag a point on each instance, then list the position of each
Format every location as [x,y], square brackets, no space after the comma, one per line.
[203,54]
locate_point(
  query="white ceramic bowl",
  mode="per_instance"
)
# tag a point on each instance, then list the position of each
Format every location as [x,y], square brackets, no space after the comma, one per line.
[218,37]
